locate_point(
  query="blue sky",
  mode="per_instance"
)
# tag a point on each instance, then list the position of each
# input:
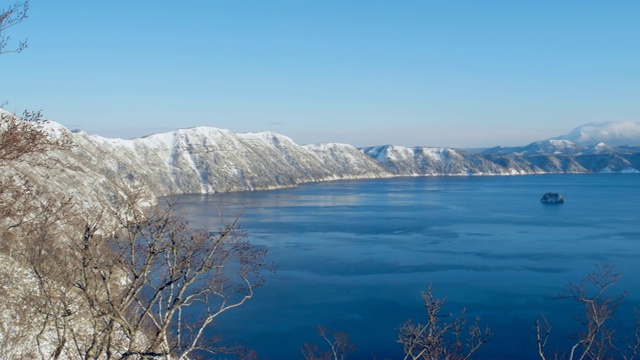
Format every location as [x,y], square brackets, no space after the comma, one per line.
[433,73]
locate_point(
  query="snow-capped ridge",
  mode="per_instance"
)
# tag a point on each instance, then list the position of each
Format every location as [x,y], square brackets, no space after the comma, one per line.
[600,148]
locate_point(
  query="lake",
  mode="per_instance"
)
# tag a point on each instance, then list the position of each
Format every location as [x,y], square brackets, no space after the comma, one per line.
[354,256]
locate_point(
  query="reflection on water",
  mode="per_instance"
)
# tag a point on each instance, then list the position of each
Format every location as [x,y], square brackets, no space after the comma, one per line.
[355,255]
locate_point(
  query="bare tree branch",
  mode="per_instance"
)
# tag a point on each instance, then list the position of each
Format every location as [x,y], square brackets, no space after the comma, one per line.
[9,17]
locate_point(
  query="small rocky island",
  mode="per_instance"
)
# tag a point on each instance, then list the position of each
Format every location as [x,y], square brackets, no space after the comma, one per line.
[552,198]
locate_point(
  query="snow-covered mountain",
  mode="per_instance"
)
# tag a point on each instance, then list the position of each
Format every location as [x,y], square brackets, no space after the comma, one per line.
[207,160]
[614,133]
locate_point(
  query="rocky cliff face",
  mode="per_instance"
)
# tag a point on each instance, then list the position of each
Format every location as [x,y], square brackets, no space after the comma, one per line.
[207,160]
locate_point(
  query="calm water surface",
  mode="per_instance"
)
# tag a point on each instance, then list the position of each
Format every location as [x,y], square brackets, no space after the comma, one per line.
[355,255]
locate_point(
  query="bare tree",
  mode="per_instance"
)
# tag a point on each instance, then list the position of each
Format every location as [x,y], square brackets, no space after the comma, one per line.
[150,289]
[439,340]
[339,346]
[156,287]
[35,284]
[25,146]
[31,217]
[594,339]
[9,17]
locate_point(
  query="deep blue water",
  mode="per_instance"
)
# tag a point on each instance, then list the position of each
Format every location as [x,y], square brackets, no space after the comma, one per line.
[354,256]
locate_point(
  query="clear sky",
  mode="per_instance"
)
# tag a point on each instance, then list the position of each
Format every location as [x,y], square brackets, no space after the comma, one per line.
[365,72]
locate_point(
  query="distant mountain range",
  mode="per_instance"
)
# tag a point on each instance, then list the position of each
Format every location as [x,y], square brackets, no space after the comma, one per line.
[207,160]
[561,147]
[621,137]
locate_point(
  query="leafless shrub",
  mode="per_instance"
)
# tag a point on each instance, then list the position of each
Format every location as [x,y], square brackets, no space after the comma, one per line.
[339,346]
[438,339]
[594,338]
[26,136]
[25,143]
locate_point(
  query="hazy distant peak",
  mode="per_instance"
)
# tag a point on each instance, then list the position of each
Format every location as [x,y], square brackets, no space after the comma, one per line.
[614,133]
